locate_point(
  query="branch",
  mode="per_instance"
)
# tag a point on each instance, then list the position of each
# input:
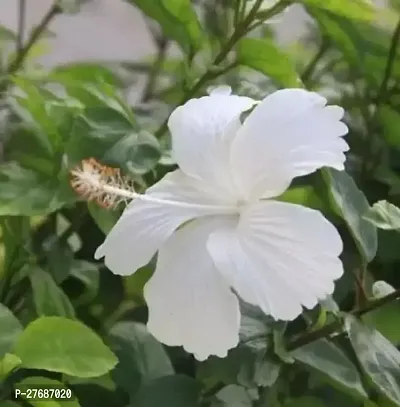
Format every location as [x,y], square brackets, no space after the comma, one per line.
[19,60]
[239,32]
[21,24]
[389,65]
[337,325]
[148,91]
[310,68]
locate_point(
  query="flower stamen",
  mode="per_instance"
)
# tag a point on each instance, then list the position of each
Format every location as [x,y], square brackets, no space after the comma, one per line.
[106,186]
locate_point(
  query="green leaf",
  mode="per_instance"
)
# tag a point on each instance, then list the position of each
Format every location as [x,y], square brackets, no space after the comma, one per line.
[365,46]
[303,195]
[384,215]
[65,346]
[379,358]
[328,359]
[355,9]
[264,56]
[10,330]
[109,137]
[48,297]
[234,396]
[8,364]
[390,122]
[169,391]
[254,327]
[395,4]
[44,383]
[104,218]
[141,357]
[351,204]
[304,402]
[85,72]
[177,19]
[15,234]
[9,404]
[43,112]
[89,275]
[27,193]
[386,320]
[7,35]
[135,283]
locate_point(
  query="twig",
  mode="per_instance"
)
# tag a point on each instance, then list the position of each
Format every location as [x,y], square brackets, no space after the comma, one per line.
[337,325]
[21,25]
[149,88]
[310,68]
[381,95]
[19,60]
[239,32]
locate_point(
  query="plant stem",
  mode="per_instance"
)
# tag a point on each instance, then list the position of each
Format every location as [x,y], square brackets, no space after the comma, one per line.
[337,325]
[19,60]
[239,32]
[310,68]
[389,65]
[21,24]
[155,70]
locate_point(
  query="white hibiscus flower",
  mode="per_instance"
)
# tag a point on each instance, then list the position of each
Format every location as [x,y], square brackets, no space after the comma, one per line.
[241,242]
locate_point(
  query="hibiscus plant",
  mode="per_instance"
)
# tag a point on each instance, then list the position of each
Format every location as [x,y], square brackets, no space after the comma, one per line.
[229,238]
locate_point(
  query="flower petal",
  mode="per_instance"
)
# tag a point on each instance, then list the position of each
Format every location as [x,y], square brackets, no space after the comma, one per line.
[145,226]
[202,130]
[280,257]
[189,302]
[290,133]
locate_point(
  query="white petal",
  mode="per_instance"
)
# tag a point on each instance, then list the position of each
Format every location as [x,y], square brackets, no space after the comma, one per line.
[289,134]
[189,302]
[145,226]
[220,90]
[202,131]
[280,257]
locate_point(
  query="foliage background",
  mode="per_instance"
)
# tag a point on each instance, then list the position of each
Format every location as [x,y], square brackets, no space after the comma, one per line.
[66,321]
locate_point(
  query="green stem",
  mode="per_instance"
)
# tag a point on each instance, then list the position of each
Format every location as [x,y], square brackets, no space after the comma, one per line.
[19,60]
[389,65]
[337,325]
[155,70]
[21,25]
[310,68]
[239,32]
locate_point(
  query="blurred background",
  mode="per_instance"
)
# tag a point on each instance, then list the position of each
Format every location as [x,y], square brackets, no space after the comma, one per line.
[114,31]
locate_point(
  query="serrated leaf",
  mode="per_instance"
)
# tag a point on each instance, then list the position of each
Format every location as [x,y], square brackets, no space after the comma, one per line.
[384,215]
[351,205]
[264,56]
[329,360]
[65,346]
[109,137]
[27,193]
[379,358]
[177,19]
